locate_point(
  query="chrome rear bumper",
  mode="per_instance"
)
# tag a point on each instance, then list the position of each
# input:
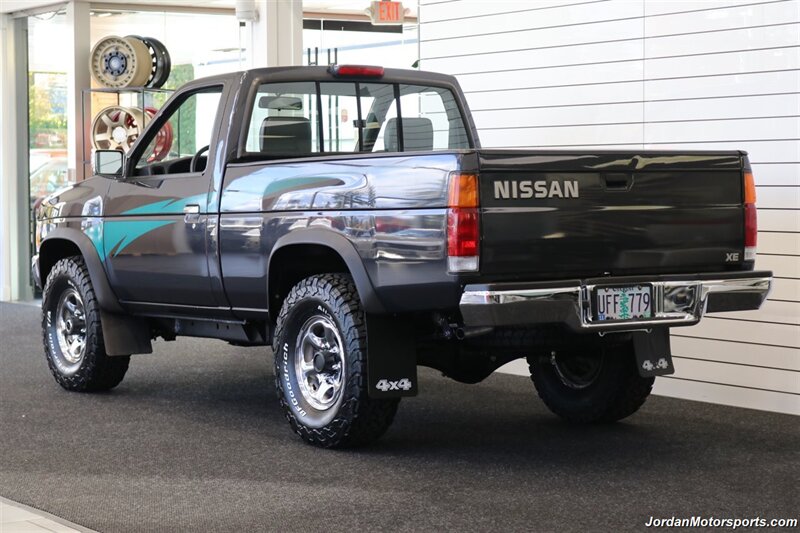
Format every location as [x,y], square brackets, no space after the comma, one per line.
[677,300]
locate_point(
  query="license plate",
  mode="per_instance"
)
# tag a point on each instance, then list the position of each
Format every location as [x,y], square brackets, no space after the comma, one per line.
[623,303]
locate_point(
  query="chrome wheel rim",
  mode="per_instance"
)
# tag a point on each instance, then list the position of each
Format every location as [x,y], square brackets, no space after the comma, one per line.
[71,326]
[320,363]
[117,128]
[576,371]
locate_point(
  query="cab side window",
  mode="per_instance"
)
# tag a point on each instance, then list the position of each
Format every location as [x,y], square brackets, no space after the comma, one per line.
[283,122]
[301,119]
[431,119]
[188,129]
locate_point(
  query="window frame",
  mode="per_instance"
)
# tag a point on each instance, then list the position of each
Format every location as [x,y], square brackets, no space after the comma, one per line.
[163,116]
[243,155]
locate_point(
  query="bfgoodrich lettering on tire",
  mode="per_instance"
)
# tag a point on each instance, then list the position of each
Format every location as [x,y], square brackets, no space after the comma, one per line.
[73,335]
[320,365]
[593,383]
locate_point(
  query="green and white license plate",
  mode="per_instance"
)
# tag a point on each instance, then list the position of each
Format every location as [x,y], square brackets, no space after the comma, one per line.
[623,303]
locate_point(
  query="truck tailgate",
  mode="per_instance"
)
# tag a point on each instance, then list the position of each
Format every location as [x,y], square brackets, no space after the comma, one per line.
[559,214]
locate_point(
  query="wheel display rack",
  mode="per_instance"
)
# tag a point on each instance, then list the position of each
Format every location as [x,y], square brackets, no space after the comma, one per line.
[129,103]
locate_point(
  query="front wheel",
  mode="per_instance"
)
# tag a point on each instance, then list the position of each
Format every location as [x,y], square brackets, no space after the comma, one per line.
[73,334]
[598,383]
[320,365]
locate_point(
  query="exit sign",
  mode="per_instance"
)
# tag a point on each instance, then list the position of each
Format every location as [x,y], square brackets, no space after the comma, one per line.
[385,12]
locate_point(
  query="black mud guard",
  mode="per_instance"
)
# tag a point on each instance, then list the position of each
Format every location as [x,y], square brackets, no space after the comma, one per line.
[125,335]
[391,356]
[653,352]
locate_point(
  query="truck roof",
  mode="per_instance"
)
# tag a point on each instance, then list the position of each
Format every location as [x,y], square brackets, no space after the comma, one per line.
[323,73]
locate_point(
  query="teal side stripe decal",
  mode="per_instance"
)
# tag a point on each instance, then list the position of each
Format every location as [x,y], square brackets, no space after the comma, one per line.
[112,235]
[169,207]
[121,233]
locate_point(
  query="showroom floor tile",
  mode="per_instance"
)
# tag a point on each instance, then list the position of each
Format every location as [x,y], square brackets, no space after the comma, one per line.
[17,518]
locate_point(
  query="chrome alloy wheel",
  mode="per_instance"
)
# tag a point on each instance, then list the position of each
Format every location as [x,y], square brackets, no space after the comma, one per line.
[71,326]
[320,362]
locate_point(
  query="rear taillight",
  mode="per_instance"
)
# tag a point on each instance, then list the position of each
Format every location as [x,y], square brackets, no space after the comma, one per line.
[750,217]
[463,223]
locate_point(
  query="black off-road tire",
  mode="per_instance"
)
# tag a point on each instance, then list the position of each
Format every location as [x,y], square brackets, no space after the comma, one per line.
[615,391]
[358,419]
[95,371]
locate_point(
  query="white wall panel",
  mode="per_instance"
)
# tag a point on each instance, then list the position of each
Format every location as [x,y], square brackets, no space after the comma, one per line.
[525,21]
[776,174]
[538,39]
[596,94]
[736,352]
[723,130]
[553,76]
[771,311]
[726,62]
[431,12]
[724,85]
[456,63]
[721,108]
[778,197]
[558,116]
[720,19]
[655,9]
[739,375]
[738,39]
[729,330]
[779,243]
[785,289]
[783,266]
[778,219]
[554,136]
[660,74]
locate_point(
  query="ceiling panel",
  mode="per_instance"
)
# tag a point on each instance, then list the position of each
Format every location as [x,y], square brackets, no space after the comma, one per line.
[316,6]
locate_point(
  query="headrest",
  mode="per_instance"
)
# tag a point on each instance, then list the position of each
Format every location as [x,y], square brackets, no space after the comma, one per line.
[417,134]
[286,135]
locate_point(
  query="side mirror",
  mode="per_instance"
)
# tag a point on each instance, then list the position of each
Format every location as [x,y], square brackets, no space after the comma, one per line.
[109,163]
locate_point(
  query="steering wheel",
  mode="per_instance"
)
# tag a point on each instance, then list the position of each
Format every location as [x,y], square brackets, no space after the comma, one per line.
[196,158]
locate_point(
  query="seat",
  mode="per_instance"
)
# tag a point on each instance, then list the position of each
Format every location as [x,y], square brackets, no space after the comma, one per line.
[286,136]
[417,134]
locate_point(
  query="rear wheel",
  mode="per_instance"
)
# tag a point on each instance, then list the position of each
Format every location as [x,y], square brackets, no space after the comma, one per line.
[320,365]
[594,384]
[73,334]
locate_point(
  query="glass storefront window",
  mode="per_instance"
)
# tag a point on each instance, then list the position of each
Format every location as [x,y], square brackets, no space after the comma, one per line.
[47,104]
[361,43]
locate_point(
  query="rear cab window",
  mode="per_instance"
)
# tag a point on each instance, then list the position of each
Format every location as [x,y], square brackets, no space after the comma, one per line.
[302,119]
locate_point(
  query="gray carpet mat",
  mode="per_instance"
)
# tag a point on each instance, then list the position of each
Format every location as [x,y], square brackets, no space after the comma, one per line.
[193,440]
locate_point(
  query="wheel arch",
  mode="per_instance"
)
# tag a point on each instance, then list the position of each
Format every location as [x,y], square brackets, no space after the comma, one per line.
[298,255]
[66,242]
[122,334]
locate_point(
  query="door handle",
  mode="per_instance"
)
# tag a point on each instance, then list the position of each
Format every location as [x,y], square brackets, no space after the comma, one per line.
[191,213]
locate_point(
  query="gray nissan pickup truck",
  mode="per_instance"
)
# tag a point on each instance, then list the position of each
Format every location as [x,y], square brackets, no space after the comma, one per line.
[347,217]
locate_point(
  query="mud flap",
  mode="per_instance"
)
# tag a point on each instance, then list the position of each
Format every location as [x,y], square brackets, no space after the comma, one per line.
[653,353]
[391,357]
[125,335]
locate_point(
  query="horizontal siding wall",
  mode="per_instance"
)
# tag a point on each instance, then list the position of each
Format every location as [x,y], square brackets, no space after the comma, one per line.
[636,74]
